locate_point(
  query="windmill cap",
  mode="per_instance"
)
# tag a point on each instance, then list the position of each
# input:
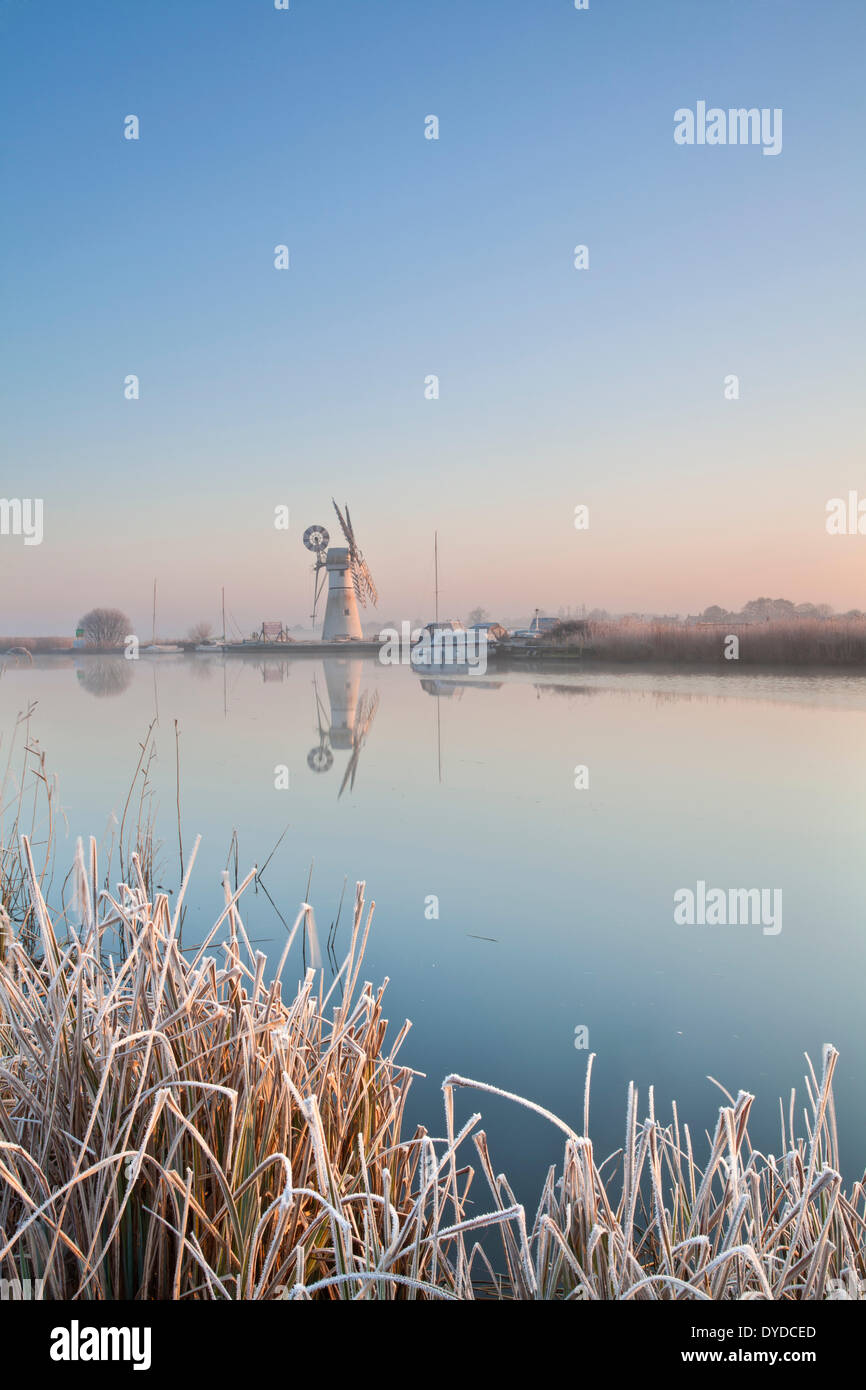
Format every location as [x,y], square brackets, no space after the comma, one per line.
[337,556]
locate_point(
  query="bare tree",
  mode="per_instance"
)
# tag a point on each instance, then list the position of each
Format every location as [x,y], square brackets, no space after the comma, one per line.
[201,631]
[105,627]
[478,615]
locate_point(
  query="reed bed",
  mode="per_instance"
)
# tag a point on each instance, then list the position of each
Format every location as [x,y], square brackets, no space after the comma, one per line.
[798,642]
[172,1127]
[36,645]
[28,802]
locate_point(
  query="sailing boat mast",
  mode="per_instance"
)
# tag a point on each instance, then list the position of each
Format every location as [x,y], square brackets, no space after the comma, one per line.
[438,697]
[153,629]
[224,611]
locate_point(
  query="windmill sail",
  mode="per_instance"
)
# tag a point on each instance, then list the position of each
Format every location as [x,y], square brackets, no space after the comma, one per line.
[362,579]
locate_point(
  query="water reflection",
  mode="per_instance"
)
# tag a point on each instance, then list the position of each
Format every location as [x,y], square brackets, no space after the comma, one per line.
[738,779]
[453,689]
[274,671]
[104,676]
[345,721]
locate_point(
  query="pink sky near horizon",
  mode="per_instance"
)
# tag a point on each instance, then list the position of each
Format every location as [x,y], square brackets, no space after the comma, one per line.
[631,561]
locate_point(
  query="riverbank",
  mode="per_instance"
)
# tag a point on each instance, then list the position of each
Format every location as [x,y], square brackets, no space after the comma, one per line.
[198,1136]
[802,642]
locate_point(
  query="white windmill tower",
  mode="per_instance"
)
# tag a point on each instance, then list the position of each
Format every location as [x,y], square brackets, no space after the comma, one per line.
[349,580]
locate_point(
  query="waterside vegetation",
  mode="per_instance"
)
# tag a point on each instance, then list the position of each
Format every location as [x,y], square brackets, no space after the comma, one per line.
[180,1124]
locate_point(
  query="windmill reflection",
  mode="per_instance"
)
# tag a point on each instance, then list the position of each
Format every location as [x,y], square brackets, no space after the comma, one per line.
[345,721]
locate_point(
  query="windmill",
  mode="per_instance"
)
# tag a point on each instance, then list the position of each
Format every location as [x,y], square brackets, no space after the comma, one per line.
[349,580]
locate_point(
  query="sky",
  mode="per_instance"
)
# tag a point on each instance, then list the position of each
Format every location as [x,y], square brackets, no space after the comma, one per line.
[410,258]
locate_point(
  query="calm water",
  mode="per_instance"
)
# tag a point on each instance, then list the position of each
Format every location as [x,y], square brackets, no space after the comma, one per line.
[555,904]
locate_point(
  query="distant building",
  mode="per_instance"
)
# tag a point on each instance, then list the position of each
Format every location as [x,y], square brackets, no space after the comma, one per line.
[444,625]
[495,631]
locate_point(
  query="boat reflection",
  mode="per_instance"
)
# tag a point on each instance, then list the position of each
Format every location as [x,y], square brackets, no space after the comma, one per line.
[453,689]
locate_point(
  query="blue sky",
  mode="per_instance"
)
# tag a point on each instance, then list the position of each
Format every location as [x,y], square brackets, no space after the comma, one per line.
[411,257]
